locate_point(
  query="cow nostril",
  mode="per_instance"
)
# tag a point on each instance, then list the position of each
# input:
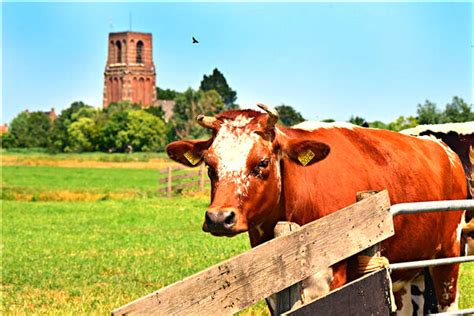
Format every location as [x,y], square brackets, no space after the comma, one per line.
[230,219]
[208,219]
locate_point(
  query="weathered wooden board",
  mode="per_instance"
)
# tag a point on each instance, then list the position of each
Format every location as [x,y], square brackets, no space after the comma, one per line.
[191,175]
[174,167]
[243,280]
[369,295]
[193,183]
[290,297]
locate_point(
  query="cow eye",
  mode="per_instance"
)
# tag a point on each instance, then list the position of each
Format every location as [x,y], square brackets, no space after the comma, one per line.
[263,163]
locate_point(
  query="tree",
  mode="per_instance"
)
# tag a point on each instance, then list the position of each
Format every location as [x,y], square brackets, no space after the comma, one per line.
[288,115]
[59,138]
[216,81]
[328,120]
[190,104]
[111,125]
[357,120]
[83,135]
[457,111]
[122,106]
[428,113]
[156,111]
[29,130]
[144,132]
[378,124]
[402,123]
[166,94]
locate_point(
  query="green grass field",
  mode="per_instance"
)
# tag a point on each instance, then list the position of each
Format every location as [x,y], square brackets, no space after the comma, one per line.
[94,256]
[43,178]
[88,257]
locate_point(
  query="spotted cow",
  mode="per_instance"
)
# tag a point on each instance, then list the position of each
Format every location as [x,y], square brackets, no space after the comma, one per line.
[262,173]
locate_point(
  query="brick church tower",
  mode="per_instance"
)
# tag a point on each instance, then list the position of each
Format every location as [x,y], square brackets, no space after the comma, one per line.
[130,72]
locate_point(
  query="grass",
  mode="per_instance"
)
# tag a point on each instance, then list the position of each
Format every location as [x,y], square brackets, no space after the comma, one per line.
[45,183]
[466,282]
[104,180]
[82,257]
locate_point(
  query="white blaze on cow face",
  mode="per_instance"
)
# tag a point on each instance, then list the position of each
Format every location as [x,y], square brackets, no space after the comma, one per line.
[231,148]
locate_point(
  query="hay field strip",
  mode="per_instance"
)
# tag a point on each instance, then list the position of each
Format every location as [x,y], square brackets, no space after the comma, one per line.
[154,161]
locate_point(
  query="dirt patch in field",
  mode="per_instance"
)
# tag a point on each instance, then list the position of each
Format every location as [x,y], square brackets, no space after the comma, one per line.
[77,163]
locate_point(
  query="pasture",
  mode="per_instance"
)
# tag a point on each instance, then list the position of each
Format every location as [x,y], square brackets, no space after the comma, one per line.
[87,255]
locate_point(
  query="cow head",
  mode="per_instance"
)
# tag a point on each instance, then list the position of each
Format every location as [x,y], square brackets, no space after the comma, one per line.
[243,159]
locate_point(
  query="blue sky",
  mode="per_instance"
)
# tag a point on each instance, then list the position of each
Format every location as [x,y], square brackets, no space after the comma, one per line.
[376,60]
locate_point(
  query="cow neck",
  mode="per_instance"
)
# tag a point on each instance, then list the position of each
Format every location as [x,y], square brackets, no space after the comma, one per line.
[264,231]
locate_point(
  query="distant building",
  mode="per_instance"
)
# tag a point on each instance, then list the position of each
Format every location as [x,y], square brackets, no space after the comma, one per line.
[130,73]
[3,128]
[52,114]
[167,106]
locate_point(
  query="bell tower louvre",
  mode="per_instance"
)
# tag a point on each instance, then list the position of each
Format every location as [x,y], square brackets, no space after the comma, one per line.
[130,73]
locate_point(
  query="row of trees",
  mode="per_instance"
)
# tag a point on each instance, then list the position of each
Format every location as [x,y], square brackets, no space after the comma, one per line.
[124,126]
[456,111]
[83,128]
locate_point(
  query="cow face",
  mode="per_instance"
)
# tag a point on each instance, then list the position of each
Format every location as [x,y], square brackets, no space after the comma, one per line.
[243,158]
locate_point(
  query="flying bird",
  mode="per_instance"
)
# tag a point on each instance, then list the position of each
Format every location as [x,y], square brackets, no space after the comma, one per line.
[195,41]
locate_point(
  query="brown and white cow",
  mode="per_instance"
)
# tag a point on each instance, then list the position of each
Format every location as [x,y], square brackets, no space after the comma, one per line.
[262,173]
[460,138]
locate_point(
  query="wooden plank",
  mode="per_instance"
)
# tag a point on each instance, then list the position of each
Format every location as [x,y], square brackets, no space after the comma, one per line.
[175,167]
[173,187]
[162,190]
[290,297]
[373,251]
[249,277]
[191,175]
[369,295]
[186,185]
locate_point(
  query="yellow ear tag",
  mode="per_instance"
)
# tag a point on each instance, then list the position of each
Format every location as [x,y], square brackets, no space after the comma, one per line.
[306,157]
[191,158]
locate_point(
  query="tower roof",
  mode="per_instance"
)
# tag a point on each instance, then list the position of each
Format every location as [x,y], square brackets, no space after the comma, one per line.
[129,32]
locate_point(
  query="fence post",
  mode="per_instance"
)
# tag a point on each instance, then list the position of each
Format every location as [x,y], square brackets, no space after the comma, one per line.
[290,297]
[201,178]
[170,170]
[373,251]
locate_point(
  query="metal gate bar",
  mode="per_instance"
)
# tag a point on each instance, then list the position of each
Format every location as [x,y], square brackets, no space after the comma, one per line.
[429,263]
[435,206]
[468,311]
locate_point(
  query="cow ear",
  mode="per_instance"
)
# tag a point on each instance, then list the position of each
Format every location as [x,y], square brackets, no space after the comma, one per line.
[306,152]
[187,152]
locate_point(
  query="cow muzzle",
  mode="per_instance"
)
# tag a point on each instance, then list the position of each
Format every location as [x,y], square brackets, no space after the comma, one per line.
[220,222]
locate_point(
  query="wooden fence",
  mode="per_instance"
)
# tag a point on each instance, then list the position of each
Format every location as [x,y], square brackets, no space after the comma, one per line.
[276,265]
[175,178]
